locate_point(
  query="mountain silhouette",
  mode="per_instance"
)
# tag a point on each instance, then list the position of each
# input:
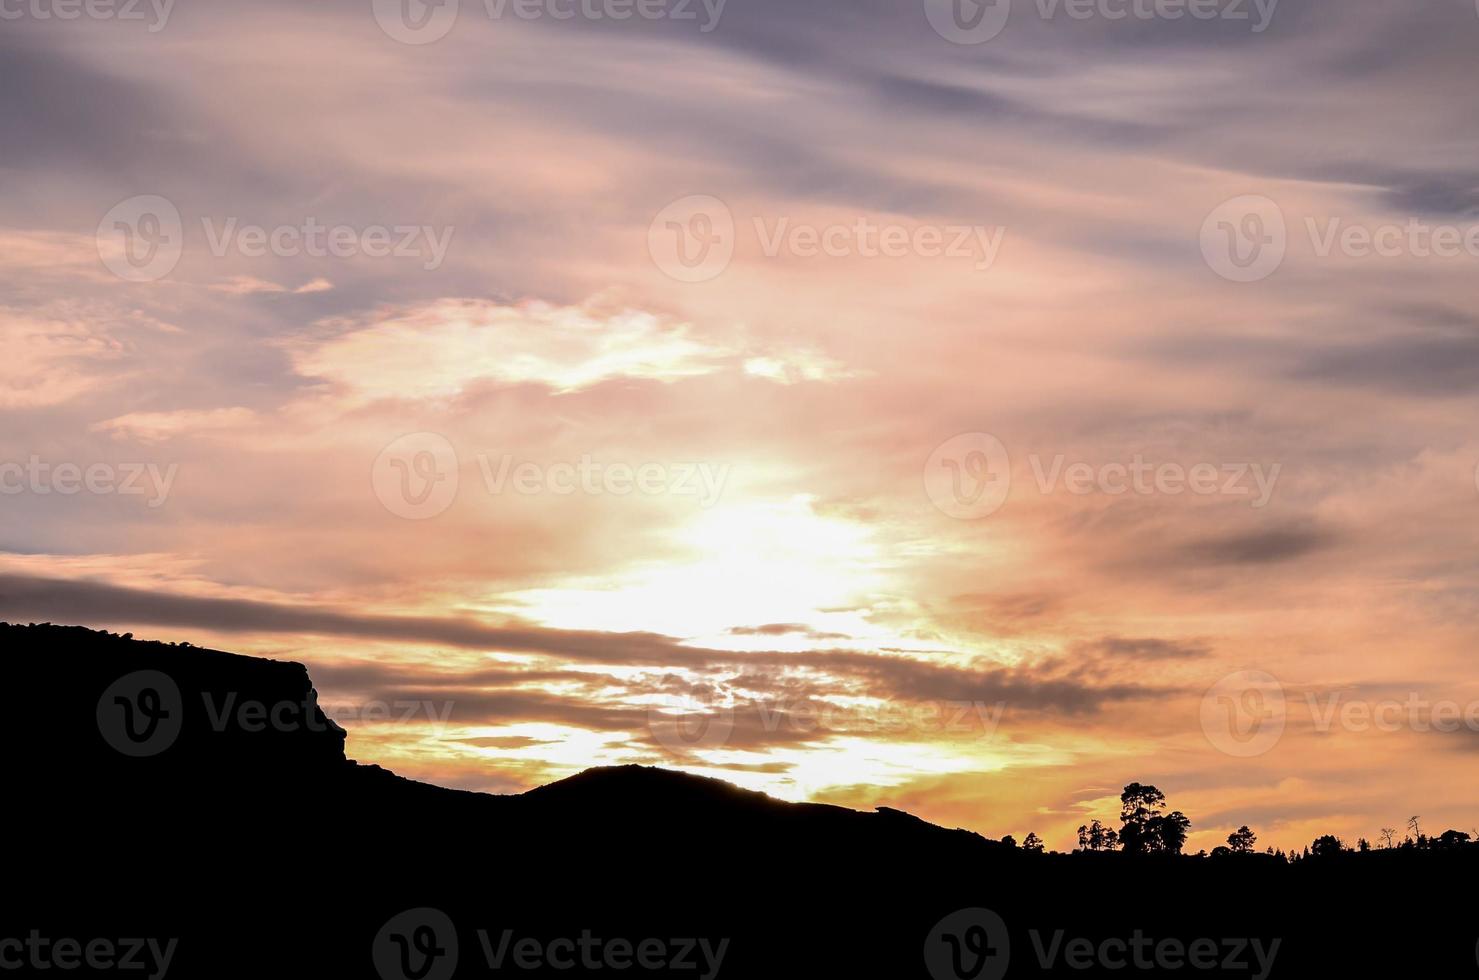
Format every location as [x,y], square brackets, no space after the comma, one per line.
[198,808]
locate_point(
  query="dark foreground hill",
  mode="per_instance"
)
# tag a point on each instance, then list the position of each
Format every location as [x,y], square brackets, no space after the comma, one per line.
[158,824]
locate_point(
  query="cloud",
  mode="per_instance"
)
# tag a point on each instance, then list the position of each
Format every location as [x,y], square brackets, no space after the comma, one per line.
[155,427]
[786,629]
[1432,366]
[1027,688]
[441,350]
[1273,546]
[50,359]
[1100,334]
[249,285]
[1146,648]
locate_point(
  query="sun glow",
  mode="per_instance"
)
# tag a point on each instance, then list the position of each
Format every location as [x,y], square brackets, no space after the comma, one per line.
[753,564]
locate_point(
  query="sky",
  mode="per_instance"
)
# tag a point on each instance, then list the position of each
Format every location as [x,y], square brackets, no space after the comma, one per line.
[969,410]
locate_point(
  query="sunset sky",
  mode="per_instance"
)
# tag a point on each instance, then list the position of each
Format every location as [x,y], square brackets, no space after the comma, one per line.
[786,367]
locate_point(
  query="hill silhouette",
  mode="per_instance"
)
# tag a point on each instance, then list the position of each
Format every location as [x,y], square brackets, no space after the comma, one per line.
[150,802]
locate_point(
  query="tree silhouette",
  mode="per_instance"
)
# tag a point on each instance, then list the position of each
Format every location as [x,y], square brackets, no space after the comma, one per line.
[1147,830]
[1170,831]
[1138,805]
[1241,841]
[1139,801]
[1326,846]
[1033,843]
[1097,837]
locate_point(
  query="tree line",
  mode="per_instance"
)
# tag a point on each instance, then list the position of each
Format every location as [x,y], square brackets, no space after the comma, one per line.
[1146,827]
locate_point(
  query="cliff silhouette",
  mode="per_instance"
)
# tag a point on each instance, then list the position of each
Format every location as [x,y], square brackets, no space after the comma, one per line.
[149,800]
